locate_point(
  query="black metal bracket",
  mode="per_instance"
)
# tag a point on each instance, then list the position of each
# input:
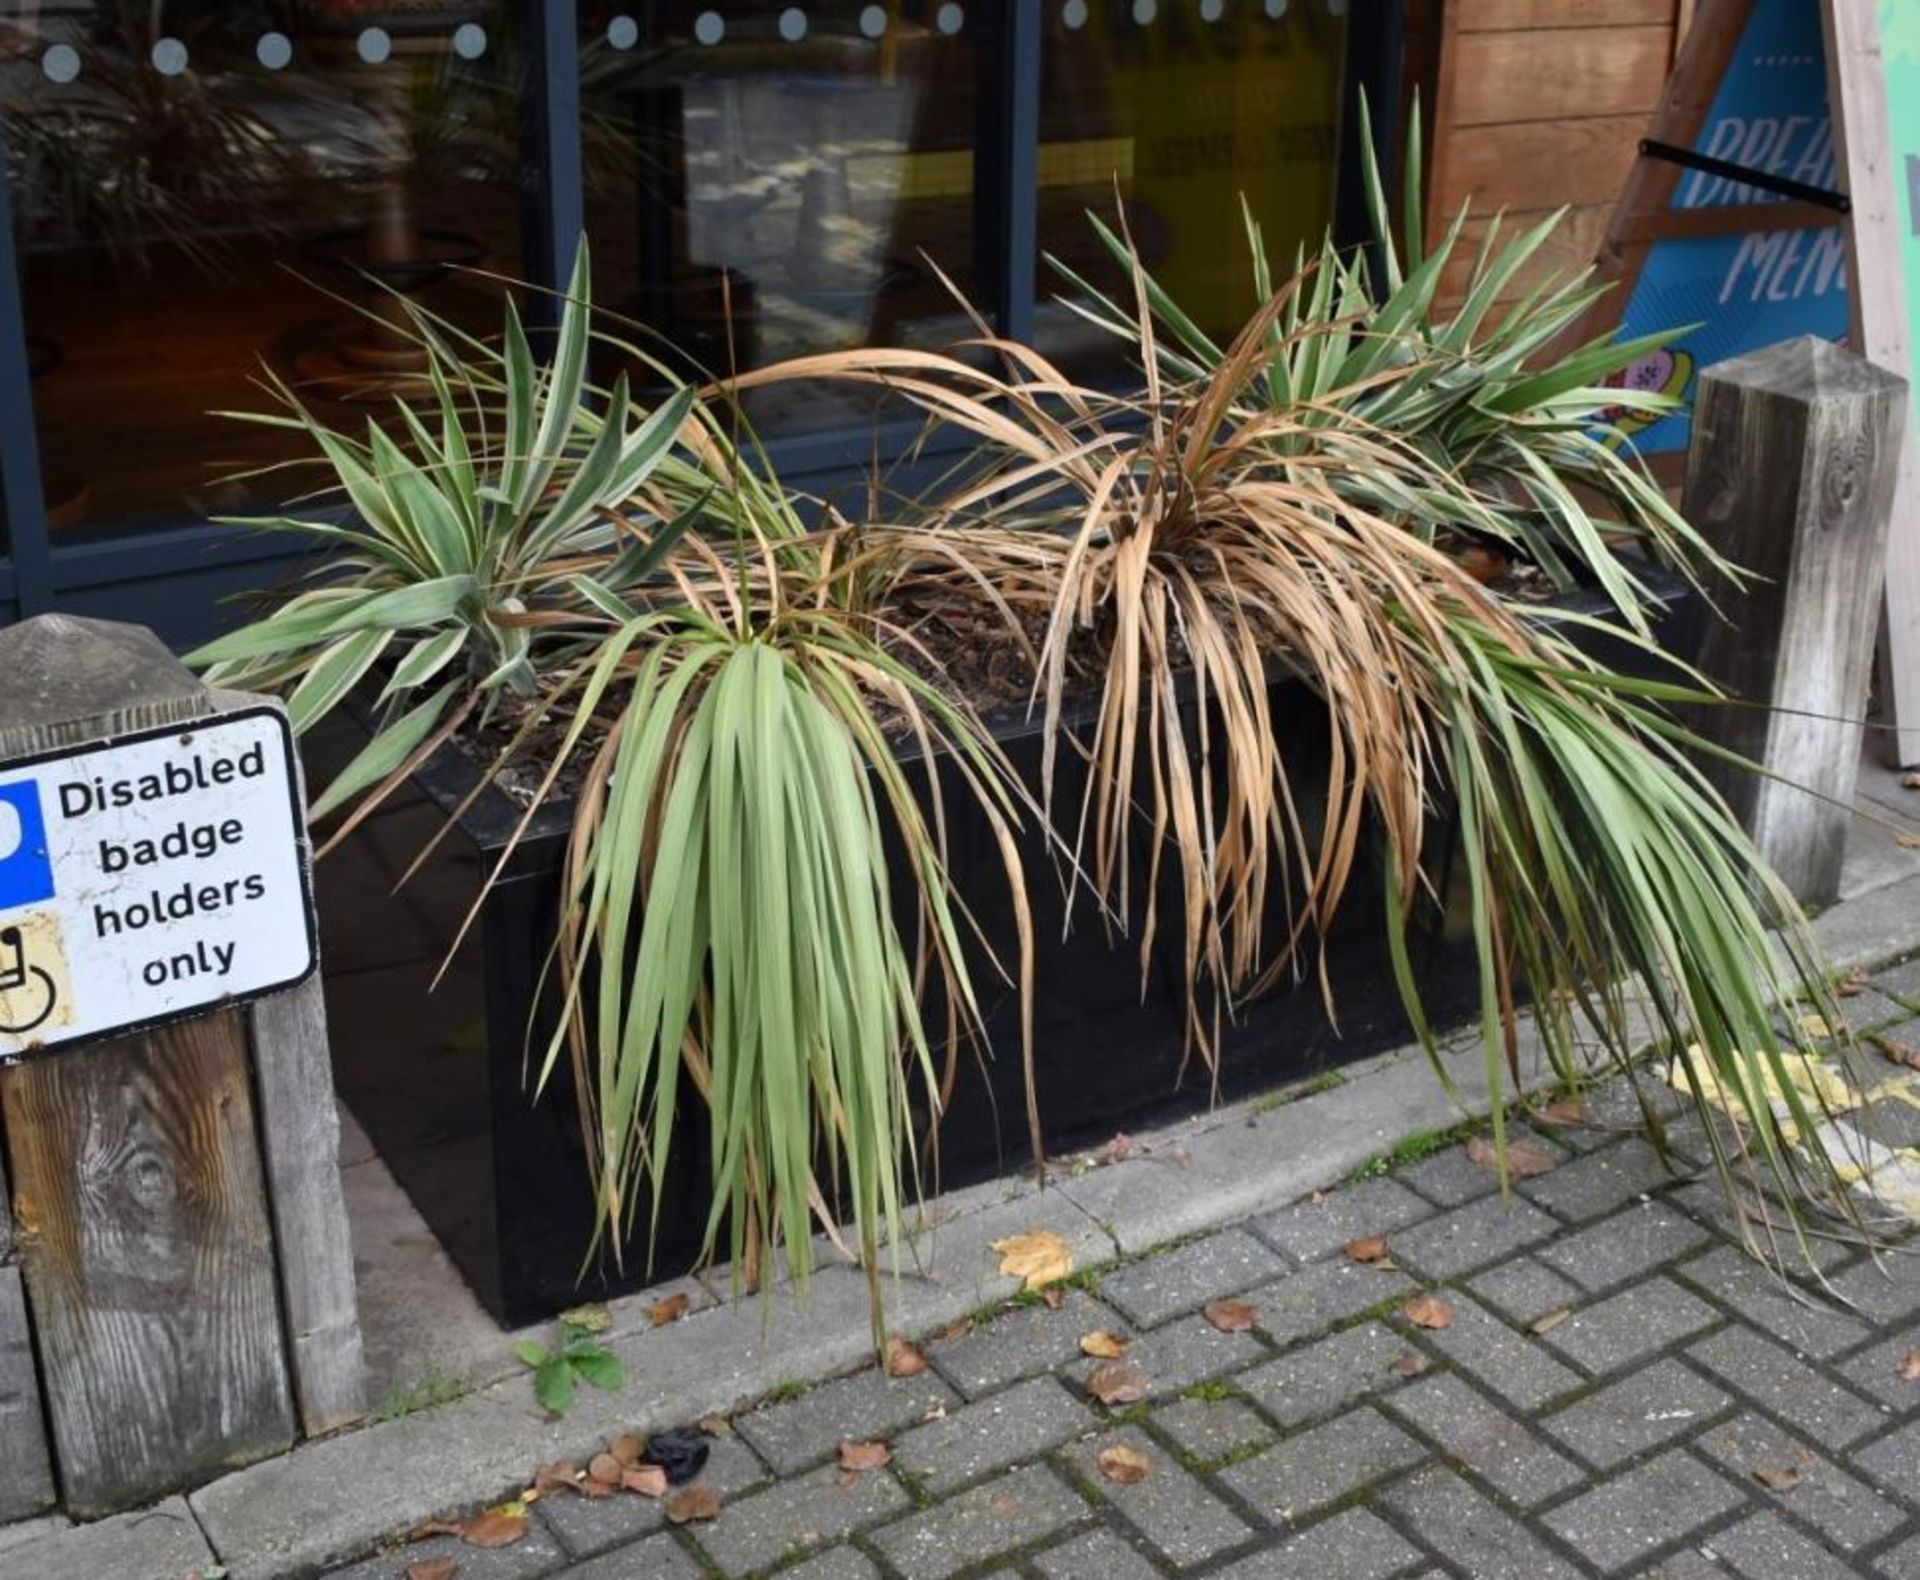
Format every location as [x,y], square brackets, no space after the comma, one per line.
[1764,180]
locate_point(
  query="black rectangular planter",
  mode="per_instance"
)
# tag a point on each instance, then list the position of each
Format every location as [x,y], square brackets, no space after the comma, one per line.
[440,1081]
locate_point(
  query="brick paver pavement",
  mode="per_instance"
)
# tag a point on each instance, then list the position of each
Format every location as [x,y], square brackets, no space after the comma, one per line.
[1620,1392]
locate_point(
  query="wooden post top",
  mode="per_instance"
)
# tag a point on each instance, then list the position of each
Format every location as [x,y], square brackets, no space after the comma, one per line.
[71,679]
[1806,368]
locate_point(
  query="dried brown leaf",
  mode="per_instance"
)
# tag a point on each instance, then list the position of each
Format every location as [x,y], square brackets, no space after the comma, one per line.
[1428,1311]
[714,1424]
[698,1502]
[1368,1248]
[1852,985]
[1118,1150]
[1409,1363]
[627,1448]
[1053,1299]
[904,1358]
[1777,1478]
[1910,1366]
[593,1487]
[1910,781]
[1900,1052]
[671,1309]
[1524,1158]
[1565,1111]
[847,1480]
[1117,1382]
[1037,1258]
[494,1528]
[650,1481]
[864,1456]
[959,1328]
[434,1569]
[1907,841]
[607,1468]
[1103,1345]
[1123,1464]
[1548,1321]
[1231,1316]
[426,1528]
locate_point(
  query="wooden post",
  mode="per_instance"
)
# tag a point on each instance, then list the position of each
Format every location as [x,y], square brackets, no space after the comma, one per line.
[1790,474]
[145,1222]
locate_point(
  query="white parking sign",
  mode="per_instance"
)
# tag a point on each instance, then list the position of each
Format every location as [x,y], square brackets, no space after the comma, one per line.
[150,877]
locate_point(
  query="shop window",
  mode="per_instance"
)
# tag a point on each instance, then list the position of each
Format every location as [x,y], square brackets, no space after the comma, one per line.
[206,193]
[769,180]
[1173,112]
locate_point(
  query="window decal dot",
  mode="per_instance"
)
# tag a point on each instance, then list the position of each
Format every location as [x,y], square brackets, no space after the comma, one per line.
[273,51]
[1073,15]
[1212,10]
[873,20]
[1276,9]
[1144,12]
[793,24]
[709,27]
[950,18]
[61,63]
[373,45]
[623,32]
[469,41]
[169,56]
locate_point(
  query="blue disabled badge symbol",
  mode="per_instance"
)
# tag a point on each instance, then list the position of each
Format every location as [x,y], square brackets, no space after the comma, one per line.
[26,870]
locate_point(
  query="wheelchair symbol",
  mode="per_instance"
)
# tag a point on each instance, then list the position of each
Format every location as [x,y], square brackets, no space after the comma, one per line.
[28,994]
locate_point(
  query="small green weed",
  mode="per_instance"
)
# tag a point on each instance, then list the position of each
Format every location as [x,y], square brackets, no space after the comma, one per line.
[579,1356]
[1210,1392]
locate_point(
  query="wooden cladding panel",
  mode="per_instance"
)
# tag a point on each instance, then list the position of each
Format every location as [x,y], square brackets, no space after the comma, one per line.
[1570,248]
[1542,164]
[1495,16]
[1557,74]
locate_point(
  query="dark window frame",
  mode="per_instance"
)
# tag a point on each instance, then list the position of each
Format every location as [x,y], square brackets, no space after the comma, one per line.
[120,566]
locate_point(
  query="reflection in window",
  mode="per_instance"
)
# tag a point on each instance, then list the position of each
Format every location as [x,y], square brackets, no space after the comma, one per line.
[770,179]
[191,178]
[1184,107]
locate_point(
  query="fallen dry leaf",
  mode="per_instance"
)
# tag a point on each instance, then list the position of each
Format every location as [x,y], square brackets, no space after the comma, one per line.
[604,1467]
[434,1569]
[1910,1366]
[846,1480]
[714,1424]
[1777,1478]
[557,1477]
[1852,985]
[904,1358]
[627,1448]
[672,1309]
[1123,1464]
[495,1528]
[937,1411]
[1548,1321]
[1409,1363]
[650,1481]
[1118,1150]
[1524,1158]
[590,1487]
[1053,1299]
[595,1318]
[1103,1345]
[864,1456]
[959,1328]
[1230,1316]
[1907,841]
[1565,1111]
[1117,1382]
[1899,1052]
[1428,1311]
[1368,1248]
[1037,1258]
[1819,1027]
[1910,781]
[698,1502]
[426,1528]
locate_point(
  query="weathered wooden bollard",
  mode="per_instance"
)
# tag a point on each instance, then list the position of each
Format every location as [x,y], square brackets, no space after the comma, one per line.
[177,1220]
[1790,474]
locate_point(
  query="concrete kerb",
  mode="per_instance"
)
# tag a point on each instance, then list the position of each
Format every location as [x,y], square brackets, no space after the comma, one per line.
[333,1499]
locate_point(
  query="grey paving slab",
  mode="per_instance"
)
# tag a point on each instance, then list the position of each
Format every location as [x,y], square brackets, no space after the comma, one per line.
[657,1558]
[1311,1469]
[1321,1225]
[1494,1444]
[1470,1532]
[1158,1287]
[1894,1462]
[1471,1237]
[1326,1375]
[1525,1289]
[537,1554]
[1655,1405]
[1094,1555]
[1598,1183]
[1766,1547]
[837,1563]
[1020,1343]
[1182,1353]
[1901,1562]
[792,1516]
[992,1433]
[1901,981]
[1516,1366]
[1803,1320]
[1624,1329]
[1011,1511]
[1832,1415]
[1176,1515]
[1876,1371]
[1353,1545]
[797,1433]
[1323,1294]
[1448,1179]
[140,1545]
[591,1525]
[1777,1467]
[1209,1431]
[1886,1290]
[1625,1246]
[1626,1520]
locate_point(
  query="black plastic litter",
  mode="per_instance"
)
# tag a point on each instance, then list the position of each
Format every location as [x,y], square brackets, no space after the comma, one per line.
[681,1453]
